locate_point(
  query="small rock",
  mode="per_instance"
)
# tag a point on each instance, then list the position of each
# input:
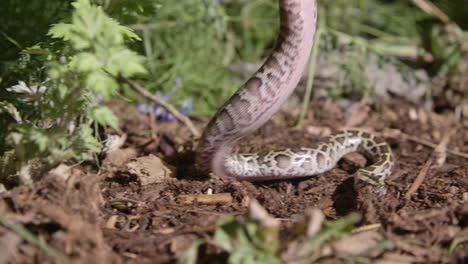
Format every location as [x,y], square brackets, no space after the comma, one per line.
[150,169]
[62,172]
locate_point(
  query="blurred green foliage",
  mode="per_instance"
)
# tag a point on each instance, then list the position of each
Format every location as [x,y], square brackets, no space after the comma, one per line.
[51,112]
[255,239]
[190,44]
[24,23]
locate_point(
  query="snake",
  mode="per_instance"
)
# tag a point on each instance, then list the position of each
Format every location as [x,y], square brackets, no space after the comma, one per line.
[254,103]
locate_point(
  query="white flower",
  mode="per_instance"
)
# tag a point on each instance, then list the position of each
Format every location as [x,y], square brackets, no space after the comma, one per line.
[21,87]
[32,93]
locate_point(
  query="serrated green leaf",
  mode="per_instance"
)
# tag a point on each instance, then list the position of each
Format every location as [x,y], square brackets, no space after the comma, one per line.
[112,36]
[39,138]
[105,117]
[101,84]
[126,63]
[128,33]
[61,30]
[88,140]
[81,40]
[85,62]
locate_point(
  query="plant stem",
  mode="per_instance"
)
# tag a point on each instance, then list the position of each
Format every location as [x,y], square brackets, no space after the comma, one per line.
[310,80]
[31,238]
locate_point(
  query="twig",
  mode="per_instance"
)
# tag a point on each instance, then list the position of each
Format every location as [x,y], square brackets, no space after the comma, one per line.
[206,198]
[419,179]
[143,92]
[154,133]
[438,155]
[432,145]
[367,228]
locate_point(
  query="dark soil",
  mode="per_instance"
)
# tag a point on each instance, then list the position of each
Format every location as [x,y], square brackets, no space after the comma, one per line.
[105,215]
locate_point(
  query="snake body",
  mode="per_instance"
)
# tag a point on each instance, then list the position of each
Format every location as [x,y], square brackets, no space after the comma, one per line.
[260,97]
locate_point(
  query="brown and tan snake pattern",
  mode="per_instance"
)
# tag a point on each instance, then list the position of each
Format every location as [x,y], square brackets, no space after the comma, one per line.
[262,95]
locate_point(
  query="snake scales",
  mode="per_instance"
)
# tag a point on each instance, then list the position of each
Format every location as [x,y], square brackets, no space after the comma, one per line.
[262,95]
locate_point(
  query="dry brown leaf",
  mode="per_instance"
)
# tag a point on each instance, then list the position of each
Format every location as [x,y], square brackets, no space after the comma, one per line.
[179,243]
[2,188]
[9,243]
[114,142]
[116,158]
[321,131]
[360,244]
[257,212]
[110,223]
[316,219]
[396,258]
[62,172]
[357,114]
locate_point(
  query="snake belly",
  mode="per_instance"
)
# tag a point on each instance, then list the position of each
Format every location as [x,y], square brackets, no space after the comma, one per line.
[261,96]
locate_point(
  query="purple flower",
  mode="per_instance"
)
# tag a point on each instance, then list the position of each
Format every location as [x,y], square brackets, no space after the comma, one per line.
[161,113]
[145,108]
[99,98]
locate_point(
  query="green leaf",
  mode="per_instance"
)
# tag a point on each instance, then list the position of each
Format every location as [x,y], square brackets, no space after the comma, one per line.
[190,255]
[225,230]
[128,33]
[102,84]
[40,138]
[105,117]
[87,142]
[61,30]
[85,62]
[245,242]
[125,62]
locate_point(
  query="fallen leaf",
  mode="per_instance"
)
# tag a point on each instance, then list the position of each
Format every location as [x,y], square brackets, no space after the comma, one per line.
[360,244]
[116,158]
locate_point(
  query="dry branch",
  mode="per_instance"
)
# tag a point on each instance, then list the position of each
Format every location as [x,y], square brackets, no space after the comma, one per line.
[143,92]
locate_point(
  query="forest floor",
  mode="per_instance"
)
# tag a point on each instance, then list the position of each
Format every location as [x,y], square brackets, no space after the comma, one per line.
[131,209]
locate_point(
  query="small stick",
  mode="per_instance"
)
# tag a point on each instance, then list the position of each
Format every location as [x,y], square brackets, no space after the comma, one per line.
[206,198]
[419,179]
[438,156]
[143,92]
[367,228]
[432,145]
[153,126]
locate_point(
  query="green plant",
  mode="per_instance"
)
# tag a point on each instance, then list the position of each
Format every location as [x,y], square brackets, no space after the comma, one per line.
[189,46]
[53,113]
[255,238]
[249,242]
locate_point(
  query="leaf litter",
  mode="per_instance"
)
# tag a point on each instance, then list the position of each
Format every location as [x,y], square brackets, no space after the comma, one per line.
[153,213]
